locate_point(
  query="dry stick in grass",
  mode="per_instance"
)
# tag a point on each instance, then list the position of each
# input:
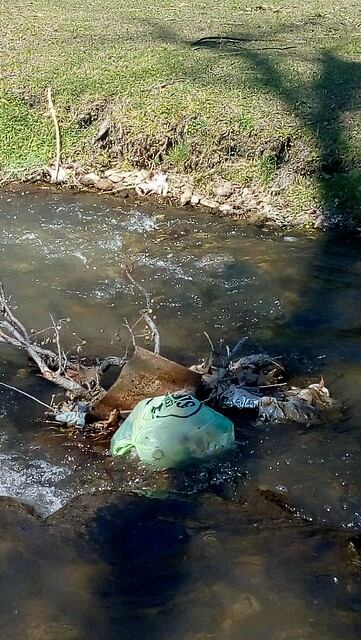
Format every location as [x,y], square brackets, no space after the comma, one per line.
[57,134]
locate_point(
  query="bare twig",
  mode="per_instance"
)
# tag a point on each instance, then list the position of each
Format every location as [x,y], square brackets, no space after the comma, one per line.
[130,329]
[154,329]
[209,341]
[139,286]
[236,348]
[57,339]
[57,134]
[147,313]
[7,313]
[9,386]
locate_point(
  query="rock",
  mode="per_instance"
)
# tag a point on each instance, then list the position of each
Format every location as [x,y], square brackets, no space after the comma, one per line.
[139,176]
[195,199]
[256,217]
[89,179]
[115,178]
[225,208]
[104,184]
[186,196]
[210,204]
[223,190]
[319,223]
[120,187]
[57,176]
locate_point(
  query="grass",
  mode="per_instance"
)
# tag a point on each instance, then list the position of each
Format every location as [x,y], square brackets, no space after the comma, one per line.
[279,106]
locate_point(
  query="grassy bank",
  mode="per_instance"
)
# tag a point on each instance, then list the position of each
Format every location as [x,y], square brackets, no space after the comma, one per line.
[275,103]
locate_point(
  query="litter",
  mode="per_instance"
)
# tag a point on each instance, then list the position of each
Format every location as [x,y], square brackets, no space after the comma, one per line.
[171,430]
[145,375]
[76,417]
[240,398]
[71,418]
[298,405]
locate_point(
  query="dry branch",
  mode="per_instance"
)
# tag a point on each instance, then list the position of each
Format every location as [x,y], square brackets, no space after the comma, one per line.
[57,135]
[13,332]
[147,312]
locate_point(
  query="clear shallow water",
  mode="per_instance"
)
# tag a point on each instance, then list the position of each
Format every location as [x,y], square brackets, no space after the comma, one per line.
[298,297]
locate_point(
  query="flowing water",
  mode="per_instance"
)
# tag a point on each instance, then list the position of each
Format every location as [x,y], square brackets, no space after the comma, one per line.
[296,296]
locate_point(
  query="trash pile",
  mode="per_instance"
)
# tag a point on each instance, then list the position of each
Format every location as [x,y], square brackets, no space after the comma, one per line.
[257,382]
[165,413]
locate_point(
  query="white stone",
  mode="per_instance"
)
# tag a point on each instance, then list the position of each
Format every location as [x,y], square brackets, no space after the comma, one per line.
[223,190]
[186,196]
[225,208]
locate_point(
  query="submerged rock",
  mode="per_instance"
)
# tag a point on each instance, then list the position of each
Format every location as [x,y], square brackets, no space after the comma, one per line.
[108,564]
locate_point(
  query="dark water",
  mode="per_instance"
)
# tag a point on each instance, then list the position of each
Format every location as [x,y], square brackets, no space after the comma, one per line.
[229,560]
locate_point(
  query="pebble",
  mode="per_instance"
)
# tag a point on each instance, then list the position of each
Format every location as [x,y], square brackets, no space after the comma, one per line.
[245,202]
[225,208]
[319,222]
[115,178]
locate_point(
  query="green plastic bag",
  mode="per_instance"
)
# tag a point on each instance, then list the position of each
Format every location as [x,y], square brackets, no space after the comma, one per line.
[173,429]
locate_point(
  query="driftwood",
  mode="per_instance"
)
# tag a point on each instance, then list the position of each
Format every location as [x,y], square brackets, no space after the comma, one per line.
[81,382]
[54,367]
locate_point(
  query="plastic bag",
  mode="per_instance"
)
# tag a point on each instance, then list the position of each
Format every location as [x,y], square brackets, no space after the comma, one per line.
[173,429]
[237,397]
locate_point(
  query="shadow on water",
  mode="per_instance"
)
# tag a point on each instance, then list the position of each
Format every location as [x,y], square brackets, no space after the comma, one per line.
[321,108]
[187,567]
[184,568]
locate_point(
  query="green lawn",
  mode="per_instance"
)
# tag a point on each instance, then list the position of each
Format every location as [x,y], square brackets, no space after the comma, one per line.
[277,104]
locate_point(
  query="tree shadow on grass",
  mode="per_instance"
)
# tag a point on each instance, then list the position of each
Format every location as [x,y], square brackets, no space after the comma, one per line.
[321,108]
[324,106]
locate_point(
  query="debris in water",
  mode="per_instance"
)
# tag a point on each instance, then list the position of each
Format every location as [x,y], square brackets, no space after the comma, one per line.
[173,429]
[171,419]
[145,375]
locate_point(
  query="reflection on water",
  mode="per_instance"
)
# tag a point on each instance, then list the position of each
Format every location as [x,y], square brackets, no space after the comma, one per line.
[298,297]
